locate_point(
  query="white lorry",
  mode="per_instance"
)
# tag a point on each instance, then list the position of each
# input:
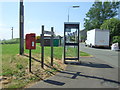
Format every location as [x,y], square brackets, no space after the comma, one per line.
[97,38]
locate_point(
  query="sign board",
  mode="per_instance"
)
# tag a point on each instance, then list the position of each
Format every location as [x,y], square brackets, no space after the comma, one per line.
[71,25]
[49,32]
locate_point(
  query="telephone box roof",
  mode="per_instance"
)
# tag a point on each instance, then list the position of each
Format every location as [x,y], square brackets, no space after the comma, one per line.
[71,23]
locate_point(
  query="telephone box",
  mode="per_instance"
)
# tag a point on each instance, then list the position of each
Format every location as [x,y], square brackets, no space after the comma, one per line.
[71,41]
[30,41]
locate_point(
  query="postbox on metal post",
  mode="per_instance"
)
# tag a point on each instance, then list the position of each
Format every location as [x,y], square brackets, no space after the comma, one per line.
[30,44]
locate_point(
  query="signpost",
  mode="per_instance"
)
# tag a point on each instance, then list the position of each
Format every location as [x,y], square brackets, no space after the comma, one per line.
[42,45]
[52,46]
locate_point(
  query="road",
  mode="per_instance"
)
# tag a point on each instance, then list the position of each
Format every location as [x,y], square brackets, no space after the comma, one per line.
[104,54]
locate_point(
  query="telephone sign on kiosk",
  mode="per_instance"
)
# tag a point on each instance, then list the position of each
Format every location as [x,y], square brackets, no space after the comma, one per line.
[30,41]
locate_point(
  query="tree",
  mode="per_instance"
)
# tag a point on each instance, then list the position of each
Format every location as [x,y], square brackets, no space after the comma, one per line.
[114,26]
[99,12]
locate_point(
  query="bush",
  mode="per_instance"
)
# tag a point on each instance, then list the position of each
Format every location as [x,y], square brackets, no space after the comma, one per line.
[11,41]
[116,39]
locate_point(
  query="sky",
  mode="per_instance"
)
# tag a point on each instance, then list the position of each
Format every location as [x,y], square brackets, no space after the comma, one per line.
[36,14]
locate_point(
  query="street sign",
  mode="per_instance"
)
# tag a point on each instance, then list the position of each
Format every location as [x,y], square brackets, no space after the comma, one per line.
[42,45]
[49,32]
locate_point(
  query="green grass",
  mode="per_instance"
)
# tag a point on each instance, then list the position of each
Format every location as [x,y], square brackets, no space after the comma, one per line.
[15,65]
[9,52]
[10,49]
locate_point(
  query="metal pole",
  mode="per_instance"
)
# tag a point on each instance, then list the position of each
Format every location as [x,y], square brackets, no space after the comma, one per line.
[52,46]
[21,27]
[12,32]
[30,60]
[68,14]
[69,10]
[42,47]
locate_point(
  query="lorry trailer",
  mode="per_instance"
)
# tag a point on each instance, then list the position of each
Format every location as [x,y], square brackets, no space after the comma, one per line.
[97,38]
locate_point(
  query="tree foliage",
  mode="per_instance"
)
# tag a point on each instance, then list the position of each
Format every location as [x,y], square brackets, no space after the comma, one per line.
[99,12]
[114,26]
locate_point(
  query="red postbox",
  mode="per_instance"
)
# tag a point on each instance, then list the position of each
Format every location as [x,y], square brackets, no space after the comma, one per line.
[30,41]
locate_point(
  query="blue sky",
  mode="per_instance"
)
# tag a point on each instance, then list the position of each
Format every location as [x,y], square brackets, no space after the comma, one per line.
[50,14]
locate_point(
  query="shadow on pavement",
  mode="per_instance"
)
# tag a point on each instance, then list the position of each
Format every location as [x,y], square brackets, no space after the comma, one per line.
[102,48]
[75,75]
[89,64]
[54,82]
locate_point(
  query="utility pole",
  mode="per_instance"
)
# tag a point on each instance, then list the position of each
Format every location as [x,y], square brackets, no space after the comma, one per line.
[21,27]
[12,32]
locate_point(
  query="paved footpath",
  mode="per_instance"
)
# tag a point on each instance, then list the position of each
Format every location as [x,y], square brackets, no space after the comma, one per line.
[90,73]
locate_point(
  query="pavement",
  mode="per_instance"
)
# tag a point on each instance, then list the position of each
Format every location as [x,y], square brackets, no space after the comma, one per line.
[90,72]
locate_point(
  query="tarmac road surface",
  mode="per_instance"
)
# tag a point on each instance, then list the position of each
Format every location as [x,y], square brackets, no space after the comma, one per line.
[107,55]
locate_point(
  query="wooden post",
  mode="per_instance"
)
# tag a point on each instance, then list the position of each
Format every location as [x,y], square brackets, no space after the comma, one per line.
[42,47]
[52,46]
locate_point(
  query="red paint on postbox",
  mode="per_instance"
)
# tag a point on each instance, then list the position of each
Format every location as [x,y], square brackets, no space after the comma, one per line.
[30,41]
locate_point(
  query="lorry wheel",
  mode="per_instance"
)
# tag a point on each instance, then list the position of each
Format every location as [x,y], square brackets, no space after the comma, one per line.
[91,45]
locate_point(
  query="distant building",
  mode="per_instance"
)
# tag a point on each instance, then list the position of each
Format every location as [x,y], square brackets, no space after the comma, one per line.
[83,35]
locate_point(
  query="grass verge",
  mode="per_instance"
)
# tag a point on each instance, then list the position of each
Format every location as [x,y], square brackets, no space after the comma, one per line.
[15,67]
